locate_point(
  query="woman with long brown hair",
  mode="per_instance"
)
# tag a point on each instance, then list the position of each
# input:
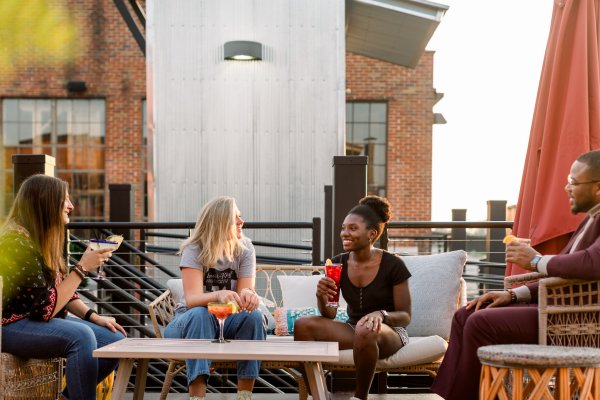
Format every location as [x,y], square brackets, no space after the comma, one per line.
[39,290]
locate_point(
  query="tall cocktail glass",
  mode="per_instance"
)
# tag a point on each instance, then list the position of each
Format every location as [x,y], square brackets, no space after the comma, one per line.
[334,271]
[221,311]
[98,244]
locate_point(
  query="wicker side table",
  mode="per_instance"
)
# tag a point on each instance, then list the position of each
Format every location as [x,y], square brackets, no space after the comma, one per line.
[539,372]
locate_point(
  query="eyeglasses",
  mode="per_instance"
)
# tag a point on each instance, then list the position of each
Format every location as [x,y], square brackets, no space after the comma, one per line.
[572,182]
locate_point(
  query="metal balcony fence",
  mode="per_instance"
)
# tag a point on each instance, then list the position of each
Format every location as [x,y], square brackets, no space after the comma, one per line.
[137,273]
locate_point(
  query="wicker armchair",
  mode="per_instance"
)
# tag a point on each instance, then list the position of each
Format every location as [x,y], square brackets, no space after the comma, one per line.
[34,379]
[28,379]
[569,309]
[162,311]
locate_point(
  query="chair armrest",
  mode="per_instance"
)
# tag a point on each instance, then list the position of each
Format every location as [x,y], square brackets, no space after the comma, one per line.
[568,312]
[161,311]
[521,279]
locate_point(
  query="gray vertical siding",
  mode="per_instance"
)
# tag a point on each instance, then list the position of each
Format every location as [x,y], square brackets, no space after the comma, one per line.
[264,131]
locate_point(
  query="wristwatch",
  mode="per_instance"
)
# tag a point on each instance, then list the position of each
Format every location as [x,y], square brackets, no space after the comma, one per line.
[534,262]
[385,315]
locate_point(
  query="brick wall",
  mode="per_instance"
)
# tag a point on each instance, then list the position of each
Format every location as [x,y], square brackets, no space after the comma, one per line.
[410,97]
[113,67]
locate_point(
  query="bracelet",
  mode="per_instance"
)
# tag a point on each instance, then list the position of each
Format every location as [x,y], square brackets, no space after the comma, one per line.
[79,268]
[88,314]
[250,289]
[513,295]
[79,271]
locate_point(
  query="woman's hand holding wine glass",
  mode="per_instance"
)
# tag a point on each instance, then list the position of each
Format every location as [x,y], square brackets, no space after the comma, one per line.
[91,259]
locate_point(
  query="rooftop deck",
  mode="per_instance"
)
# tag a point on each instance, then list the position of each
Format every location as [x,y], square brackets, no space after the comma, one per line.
[138,271]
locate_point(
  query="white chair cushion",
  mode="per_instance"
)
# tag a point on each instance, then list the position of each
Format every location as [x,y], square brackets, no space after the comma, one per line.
[419,350]
[435,288]
[176,287]
[298,291]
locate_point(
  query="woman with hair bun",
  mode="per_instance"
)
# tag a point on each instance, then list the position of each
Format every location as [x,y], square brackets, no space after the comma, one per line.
[374,283]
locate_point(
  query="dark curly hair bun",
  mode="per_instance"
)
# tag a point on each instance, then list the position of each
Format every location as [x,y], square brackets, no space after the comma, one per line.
[379,205]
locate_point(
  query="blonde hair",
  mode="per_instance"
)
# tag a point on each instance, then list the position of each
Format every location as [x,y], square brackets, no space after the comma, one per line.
[38,208]
[215,232]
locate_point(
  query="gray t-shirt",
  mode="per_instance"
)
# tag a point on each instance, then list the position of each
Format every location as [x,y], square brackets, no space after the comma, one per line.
[225,274]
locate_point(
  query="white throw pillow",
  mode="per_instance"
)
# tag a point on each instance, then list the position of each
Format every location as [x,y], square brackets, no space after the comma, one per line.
[298,291]
[435,288]
[176,288]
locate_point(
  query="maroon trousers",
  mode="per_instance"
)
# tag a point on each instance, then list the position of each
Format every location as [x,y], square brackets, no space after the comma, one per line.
[458,377]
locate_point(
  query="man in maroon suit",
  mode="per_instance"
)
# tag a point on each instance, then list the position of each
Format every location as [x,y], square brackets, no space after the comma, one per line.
[511,316]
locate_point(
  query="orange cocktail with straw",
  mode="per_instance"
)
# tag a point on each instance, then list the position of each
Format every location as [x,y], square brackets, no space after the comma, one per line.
[221,311]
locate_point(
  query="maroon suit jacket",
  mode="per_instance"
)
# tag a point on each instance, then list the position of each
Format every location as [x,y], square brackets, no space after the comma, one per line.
[583,263]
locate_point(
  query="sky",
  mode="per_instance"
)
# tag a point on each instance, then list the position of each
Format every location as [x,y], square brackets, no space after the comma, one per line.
[487,62]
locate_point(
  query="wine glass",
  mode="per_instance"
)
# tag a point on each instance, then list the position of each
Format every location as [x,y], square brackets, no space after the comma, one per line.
[221,311]
[98,244]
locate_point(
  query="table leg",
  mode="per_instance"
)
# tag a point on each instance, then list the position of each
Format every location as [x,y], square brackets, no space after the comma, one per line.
[140,379]
[316,380]
[123,374]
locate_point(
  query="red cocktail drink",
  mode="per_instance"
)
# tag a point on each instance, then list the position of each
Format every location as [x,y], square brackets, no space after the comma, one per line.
[334,271]
[221,311]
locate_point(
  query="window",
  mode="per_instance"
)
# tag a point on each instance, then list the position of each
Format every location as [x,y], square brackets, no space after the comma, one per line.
[366,134]
[73,132]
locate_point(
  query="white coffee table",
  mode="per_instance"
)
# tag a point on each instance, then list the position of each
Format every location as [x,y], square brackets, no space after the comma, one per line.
[311,354]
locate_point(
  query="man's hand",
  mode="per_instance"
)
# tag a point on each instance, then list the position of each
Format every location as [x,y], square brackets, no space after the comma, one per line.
[490,300]
[520,254]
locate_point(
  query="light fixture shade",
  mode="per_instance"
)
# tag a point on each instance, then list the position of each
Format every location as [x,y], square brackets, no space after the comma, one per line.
[243,50]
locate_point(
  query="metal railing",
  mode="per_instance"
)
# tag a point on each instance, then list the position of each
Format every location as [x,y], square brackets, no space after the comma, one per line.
[138,271]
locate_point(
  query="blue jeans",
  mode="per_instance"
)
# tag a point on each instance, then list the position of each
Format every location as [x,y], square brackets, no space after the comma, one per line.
[71,338]
[197,323]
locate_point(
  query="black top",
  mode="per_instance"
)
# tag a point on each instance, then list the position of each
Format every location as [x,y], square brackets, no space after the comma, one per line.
[29,291]
[377,295]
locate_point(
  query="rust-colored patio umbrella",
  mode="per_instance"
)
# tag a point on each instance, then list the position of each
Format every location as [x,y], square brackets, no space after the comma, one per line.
[566,123]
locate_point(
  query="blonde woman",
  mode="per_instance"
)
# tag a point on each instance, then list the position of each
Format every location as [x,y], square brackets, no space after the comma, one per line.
[218,264]
[39,290]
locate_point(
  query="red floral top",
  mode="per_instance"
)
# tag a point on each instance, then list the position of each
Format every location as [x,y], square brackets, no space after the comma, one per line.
[28,291]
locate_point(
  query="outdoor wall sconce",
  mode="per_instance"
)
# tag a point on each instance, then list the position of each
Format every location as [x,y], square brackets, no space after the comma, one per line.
[76,86]
[240,50]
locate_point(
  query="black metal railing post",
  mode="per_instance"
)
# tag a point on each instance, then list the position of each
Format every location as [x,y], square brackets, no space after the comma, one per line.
[384,239]
[459,235]
[316,241]
[493,244]
[121,208]
[25,165]
[327,223]
[349,186]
